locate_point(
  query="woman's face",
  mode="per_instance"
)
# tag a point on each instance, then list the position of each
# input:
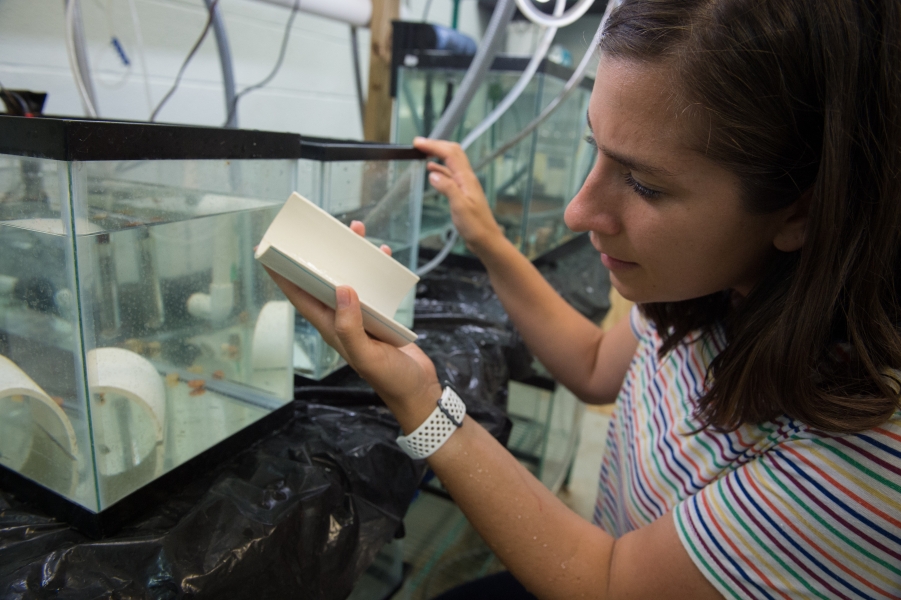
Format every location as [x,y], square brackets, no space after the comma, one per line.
[668,222]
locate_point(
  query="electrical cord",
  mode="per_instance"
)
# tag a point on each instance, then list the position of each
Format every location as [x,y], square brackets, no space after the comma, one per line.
[358,75]
[184,65]
[275,69]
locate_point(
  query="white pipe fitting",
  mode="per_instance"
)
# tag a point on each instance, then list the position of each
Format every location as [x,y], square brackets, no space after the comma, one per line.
[214,306]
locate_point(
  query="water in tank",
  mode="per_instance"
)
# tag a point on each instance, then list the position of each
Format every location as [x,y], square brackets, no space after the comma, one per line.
[136,329]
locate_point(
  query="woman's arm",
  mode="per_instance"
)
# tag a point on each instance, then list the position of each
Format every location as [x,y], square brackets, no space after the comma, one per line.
[575,351]
[547,547]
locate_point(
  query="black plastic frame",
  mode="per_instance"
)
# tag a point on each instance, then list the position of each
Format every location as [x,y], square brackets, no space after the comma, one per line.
[110,520]
[65,139]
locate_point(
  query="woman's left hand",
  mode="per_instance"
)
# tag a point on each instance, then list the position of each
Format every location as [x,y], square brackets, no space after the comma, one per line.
[404,378]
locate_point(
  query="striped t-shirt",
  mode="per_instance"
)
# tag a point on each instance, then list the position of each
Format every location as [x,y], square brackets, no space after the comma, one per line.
[775,510]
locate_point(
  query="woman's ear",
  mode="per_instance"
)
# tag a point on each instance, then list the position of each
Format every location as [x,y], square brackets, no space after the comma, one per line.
[790,236]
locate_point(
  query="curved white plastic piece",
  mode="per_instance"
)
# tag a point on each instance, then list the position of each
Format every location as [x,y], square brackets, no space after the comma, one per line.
[121,372]
[17,387]
[272,349]
[567,18]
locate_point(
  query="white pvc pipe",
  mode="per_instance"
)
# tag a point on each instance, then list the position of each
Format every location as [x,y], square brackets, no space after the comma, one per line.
[352,12]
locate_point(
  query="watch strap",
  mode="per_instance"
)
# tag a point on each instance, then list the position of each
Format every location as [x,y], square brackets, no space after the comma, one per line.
[437,428]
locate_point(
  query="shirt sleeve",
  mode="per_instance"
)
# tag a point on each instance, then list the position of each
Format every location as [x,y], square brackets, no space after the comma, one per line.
[814,517]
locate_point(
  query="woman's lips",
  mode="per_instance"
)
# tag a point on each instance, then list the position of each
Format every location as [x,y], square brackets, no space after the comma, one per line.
[614,264]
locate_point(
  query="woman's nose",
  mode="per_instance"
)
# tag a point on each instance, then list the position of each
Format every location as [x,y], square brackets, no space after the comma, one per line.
[596,205]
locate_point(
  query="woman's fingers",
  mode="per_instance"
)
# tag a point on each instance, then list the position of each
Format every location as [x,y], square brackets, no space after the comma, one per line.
[359,228]
[446,184]
[439,168]
[318,314]
[450,152]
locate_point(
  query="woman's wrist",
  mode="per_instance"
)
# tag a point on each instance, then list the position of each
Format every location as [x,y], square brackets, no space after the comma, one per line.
[491,243]
[413,411]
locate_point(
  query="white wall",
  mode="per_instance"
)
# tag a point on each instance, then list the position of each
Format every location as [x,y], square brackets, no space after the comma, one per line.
[313,93]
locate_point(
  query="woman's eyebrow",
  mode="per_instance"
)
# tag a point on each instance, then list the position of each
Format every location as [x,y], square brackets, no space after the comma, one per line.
[627,161]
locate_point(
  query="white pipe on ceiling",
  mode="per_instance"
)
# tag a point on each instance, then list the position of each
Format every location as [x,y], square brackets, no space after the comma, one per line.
[353,12]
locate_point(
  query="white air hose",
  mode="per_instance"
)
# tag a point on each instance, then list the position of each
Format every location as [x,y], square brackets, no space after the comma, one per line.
[524,79]
[568,18]
[505,104]
[87,96]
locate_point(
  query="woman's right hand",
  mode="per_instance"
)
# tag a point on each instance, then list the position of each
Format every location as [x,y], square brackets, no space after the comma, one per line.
[455,179]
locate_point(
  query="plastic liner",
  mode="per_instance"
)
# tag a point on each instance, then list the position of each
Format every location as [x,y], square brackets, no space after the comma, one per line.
[300,514]
[453,298]
[472,358]
[458,294]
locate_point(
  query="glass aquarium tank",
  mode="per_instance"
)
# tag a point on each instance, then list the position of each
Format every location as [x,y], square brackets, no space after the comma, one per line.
[531,184]
[137,332]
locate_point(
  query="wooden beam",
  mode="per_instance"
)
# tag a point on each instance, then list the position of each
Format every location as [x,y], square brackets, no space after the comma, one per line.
[377,120]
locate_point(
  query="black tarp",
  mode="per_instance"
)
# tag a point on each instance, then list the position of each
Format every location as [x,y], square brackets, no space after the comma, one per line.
[300,514]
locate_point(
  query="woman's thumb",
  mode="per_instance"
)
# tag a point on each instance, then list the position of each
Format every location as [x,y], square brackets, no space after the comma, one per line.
[349,323]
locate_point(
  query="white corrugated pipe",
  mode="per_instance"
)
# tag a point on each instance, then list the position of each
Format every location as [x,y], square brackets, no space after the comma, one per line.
[353,12]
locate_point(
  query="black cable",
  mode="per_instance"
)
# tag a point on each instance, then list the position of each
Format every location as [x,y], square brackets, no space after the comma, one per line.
[358,76]
[278,64]
[184,65]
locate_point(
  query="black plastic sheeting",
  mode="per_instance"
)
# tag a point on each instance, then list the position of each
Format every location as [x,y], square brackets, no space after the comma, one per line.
[300,514]
[470,357]
[456,304]
[576,272]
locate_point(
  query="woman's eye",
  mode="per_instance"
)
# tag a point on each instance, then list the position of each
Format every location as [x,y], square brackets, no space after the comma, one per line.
[641,190]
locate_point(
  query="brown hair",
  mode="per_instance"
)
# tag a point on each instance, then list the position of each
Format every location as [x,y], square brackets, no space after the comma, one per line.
[796,96]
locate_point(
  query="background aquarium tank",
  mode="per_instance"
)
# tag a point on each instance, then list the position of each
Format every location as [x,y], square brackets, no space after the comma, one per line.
[530,185]
[137,332]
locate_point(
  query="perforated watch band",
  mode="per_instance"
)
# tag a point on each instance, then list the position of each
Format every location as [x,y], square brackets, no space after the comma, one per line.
[435,430]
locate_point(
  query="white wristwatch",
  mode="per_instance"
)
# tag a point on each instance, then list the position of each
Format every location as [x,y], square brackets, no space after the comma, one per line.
[435,430]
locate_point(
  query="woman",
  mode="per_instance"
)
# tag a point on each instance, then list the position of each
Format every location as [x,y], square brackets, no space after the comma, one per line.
[746,197]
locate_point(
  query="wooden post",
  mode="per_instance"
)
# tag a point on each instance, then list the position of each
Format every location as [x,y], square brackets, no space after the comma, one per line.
[377,120]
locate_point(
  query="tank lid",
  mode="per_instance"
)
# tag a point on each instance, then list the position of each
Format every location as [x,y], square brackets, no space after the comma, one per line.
[96,140]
